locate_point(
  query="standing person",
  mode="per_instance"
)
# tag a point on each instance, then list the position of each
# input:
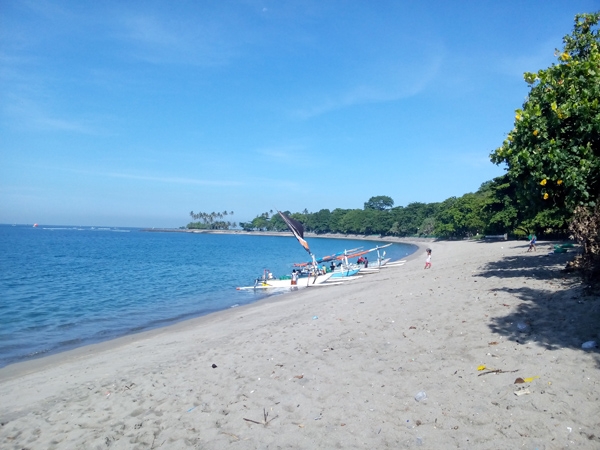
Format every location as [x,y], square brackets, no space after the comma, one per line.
[428,260]
[366,262]
[294,277]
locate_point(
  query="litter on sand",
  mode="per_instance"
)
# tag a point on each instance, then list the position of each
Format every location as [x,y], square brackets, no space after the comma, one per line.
[523,392]
[525,380]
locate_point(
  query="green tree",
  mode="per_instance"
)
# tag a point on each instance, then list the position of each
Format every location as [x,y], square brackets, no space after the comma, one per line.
[376,221]
[260,223]
[208,221]
[277,224]
[336,218]
[427,227]
[352,222]
[500,209]
[320,221]
[380,203]
[461,217]
[410,218]
[553,152]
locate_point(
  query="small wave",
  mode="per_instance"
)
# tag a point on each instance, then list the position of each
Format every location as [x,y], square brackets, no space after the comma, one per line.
[35,354]
[235,306]
[70,342]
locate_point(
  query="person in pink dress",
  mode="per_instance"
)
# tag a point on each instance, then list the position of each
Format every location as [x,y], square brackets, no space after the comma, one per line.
[428,260]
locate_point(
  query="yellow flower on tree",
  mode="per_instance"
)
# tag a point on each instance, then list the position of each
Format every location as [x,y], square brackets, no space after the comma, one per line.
[535,132]
[559,182]
[546,196]
[543,182]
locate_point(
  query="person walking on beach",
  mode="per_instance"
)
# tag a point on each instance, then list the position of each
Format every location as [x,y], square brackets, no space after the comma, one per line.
[366,262]
[294,277]
[532,240]
[428,260]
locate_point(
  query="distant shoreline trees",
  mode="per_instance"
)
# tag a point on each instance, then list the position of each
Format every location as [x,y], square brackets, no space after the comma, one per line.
[210,221]
[487,211]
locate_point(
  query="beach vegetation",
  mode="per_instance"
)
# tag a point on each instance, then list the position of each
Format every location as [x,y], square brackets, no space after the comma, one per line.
[210,221]
[552,154]
[461,217]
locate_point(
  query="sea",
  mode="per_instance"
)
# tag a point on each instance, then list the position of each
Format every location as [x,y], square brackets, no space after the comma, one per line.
[63,287]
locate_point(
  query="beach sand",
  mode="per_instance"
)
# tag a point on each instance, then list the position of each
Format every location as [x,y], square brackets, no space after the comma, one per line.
[340,366]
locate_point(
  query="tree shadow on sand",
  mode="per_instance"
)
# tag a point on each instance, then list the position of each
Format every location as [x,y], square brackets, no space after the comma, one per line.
[564,314]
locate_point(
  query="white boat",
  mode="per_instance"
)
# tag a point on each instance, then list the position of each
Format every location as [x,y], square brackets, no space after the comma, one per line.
[348,269]
[265,282]
[382,262]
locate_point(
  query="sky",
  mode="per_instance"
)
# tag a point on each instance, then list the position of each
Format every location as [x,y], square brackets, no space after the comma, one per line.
[135,113]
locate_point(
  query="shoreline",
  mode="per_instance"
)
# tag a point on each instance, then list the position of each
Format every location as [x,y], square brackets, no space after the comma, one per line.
[19,368]
[340,367]
[14,368]
[358,237]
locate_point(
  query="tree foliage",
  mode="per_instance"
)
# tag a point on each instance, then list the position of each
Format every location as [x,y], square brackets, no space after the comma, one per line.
[553,151]
[379,203]
[211,221]
[490,210]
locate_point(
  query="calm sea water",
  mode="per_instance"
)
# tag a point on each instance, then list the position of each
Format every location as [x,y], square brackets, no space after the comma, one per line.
[64,287]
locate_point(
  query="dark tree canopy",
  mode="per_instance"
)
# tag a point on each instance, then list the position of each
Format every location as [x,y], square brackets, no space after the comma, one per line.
[380,203]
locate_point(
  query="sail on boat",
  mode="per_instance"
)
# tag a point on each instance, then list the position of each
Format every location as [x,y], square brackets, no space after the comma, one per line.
[297,230]
[314,278]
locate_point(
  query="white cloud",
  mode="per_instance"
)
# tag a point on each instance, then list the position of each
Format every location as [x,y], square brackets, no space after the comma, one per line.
[180,40]
[170,180]
[379,82]
[26,114]
[283,153]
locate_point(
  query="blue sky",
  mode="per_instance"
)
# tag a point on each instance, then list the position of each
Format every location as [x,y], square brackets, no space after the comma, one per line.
[135,113]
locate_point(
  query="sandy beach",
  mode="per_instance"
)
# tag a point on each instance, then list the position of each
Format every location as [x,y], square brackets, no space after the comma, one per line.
[340,367]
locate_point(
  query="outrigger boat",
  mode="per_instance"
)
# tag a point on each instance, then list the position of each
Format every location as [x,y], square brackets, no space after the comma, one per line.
[314,278]
[265,282]
[346,268]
